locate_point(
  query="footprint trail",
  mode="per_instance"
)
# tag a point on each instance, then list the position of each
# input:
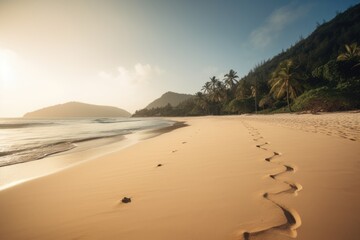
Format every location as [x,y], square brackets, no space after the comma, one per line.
[293,220]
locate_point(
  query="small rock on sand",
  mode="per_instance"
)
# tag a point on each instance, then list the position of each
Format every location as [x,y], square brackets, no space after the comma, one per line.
[126,200]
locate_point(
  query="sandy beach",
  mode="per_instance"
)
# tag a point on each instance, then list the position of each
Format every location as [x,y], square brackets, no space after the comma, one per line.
[271,177]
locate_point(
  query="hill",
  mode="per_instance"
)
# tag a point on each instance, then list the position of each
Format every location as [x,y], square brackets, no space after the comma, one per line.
[171,98]
[318,73]
[326,42]
[326,83]
[77,109]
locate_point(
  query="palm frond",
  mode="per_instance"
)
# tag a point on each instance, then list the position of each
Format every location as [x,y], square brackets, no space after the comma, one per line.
[281,91]
[275,87]
[348,48]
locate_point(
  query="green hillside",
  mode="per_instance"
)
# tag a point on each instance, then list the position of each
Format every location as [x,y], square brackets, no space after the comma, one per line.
[318,73]
[311,55]
[171,98]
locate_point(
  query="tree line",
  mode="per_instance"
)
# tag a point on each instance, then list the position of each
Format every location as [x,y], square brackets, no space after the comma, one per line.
[318,73]
[285,84]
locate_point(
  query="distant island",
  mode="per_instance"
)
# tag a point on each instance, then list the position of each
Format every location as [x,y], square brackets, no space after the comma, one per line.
[320,73]
[172,98]
[76,110]
[168,100]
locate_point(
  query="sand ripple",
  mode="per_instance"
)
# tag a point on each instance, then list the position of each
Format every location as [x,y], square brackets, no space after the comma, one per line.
[345,125]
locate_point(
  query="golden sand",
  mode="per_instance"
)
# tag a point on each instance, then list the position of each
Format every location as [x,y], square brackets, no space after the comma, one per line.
[239,177]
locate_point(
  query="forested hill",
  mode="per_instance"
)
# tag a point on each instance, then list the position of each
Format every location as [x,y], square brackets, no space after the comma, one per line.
[322,45]
[171,98]
[319,73]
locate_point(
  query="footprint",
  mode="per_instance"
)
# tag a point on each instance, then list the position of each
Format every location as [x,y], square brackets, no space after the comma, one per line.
[260,145]
[293,219]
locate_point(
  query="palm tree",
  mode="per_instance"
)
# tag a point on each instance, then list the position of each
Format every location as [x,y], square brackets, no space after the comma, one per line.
[219,93]
[352,52]
[199,95]
[243,90]
[231,79]
[216,89]
[207,87]
[202,102]
[213,82]
[254,94]
[266,101]
[284,80]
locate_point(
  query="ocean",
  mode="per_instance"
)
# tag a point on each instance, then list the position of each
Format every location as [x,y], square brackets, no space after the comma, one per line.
[24,140]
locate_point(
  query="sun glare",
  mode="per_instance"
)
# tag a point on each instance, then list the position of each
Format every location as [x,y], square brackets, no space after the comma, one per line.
[7,61]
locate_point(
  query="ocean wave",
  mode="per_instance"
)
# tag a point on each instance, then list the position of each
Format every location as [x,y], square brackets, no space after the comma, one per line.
[35,153]
[114,120]
[31,142]
[22,125]
[98,137]
[21,155]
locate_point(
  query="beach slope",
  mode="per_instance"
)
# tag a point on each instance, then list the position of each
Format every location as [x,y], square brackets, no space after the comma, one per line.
[242,177]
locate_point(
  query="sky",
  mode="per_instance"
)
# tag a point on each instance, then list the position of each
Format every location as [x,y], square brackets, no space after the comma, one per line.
[126,53]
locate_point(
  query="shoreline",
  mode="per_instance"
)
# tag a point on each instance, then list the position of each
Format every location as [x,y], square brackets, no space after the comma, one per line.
[19,173]
[218,178]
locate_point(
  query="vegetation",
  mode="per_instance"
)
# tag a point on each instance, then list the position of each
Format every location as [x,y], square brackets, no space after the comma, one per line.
[283,81]
[319,73]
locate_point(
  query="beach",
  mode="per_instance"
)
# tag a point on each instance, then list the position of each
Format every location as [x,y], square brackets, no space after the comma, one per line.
[274,177]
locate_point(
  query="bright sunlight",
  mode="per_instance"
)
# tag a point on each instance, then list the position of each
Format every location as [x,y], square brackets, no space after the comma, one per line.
[7,62]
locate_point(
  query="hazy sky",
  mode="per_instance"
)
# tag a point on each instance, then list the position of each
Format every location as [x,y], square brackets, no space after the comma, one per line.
[127,53]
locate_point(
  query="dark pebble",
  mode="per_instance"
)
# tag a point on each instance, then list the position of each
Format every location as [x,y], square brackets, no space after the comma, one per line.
[126,200]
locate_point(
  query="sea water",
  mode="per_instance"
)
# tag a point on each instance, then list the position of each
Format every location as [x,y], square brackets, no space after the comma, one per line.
[24,140]
[31,148]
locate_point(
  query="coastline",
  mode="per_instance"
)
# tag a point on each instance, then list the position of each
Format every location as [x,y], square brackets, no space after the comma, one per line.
[14,174]
[210,185]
